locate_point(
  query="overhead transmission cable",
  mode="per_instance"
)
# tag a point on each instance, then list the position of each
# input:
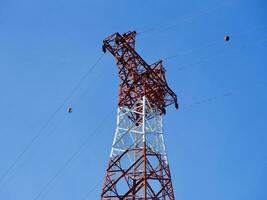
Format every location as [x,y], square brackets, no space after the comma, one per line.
[71,158]
[91,190]
[205,46]
[40,132]
[219,96]
[54,128]
[184,18]
[208,58]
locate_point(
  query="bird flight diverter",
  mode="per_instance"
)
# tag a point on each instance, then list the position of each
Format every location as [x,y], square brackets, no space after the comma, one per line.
[226,38]
[69,110]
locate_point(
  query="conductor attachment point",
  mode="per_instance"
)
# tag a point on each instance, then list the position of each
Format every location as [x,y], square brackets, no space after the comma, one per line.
[104,48]
[176,105]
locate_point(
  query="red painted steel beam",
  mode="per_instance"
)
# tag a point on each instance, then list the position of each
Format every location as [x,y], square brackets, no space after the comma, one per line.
[137,78]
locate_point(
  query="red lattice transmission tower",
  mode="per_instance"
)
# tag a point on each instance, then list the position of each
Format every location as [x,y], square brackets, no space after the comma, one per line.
[138,167]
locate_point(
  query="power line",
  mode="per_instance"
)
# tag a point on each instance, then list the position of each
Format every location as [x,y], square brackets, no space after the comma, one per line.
[192,50]
[185,18]
[157,28]
[19,166]
[205,46]
[210,99]
[40,132]
[92,189]
[71,158]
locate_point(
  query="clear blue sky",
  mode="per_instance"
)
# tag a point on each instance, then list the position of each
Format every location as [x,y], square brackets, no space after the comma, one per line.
[216,142]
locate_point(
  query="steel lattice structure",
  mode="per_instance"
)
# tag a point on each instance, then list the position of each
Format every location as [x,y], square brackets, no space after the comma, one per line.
[138,167]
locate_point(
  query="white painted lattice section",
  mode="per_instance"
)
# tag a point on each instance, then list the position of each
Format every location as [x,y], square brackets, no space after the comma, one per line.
[130,135]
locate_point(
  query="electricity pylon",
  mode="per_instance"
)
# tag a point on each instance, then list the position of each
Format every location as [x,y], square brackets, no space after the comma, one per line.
[138,166]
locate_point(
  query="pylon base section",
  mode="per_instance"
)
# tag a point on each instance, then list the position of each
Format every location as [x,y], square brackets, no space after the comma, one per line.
[138,167]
